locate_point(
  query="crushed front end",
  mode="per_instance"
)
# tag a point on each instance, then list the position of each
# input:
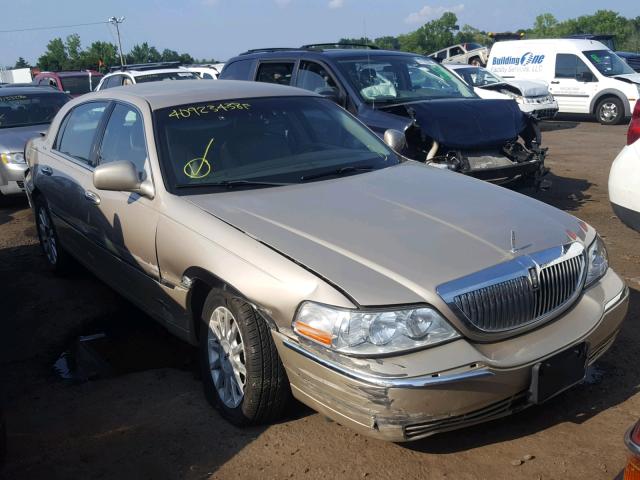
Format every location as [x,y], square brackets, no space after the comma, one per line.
[492,140]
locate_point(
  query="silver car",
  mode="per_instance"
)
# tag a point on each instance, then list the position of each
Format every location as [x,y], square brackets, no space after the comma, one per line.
[303,256]
[24,113]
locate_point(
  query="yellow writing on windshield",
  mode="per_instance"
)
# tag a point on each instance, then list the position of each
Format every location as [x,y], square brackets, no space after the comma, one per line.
[200,110]
[10,98]
[199,167]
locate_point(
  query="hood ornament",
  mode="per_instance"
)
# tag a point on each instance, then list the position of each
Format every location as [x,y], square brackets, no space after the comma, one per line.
[514,249]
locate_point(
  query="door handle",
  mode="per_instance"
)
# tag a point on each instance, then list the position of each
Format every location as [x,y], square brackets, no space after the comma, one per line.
[47,170]
[555,82]
[92,197]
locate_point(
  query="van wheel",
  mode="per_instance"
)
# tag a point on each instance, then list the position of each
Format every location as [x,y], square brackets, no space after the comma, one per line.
[610,111]
[57,259]
[241,371]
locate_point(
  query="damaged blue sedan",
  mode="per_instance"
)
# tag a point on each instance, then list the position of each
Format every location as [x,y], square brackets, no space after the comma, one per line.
[420,108]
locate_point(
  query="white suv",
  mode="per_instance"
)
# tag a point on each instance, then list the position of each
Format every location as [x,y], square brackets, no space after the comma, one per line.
[140,73]
[469,53]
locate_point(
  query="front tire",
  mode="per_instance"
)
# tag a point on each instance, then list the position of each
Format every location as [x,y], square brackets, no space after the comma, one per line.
[242,373]
[610,111]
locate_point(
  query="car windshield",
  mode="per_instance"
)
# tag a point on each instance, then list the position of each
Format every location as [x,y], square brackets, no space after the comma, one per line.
[259,142]
[29,109]
[478,77]
[608,63]
[158,77]
[78,84]
[400,78]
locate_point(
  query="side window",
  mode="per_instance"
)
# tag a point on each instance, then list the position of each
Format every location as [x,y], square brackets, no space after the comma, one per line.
[124,139]
[279,73]
[43,81]
[239,70]
[455,51]
[76,140]
[441,55]
[569,66]
[314,77]
[207,76]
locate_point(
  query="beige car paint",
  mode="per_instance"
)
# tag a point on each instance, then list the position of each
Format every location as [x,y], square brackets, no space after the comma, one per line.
[382,238]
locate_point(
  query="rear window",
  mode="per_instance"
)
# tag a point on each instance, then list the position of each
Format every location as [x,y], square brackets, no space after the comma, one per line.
[160,77]
[30,109]
[240,70]
[79,84]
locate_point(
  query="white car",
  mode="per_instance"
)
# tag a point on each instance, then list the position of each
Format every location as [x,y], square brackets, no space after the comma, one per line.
[532,97]
[141,73]
[470,53]
[624,178]
[206,72]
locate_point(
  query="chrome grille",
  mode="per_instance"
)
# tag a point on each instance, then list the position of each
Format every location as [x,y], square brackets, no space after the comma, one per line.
[525,291]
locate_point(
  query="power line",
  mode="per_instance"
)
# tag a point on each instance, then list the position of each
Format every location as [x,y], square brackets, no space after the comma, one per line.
[52,27]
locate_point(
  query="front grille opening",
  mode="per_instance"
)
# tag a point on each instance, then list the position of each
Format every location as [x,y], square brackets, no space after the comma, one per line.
[523,300]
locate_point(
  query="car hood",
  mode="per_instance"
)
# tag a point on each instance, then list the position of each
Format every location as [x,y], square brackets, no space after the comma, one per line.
[466,123]
[14,139]
[530,88]
[629,77]
[393,235]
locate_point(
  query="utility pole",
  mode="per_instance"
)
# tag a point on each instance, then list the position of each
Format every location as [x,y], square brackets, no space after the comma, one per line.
[117,21]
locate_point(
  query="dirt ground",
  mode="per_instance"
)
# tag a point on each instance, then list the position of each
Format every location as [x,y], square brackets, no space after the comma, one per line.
[144,415]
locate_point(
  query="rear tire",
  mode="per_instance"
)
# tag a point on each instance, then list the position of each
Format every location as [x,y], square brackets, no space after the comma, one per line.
[242,373]
[610,111]
[58,260]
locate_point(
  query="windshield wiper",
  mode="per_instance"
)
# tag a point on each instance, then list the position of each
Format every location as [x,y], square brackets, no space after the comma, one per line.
[338,172]
[236,183]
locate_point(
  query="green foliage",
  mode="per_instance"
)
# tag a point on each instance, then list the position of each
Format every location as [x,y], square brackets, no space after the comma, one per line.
[21,63]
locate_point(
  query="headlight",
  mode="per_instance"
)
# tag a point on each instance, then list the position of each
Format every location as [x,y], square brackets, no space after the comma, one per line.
[14,157]
[597,261]
[373,332]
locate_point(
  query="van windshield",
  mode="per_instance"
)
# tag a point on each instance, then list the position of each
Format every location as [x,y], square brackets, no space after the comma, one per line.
[608,63]
[402,78]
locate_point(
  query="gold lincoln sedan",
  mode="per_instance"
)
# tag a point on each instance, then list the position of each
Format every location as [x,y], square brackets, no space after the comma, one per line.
[304,257]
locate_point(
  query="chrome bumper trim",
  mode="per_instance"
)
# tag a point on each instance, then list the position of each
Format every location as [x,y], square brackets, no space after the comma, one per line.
[615,300]
[392,382]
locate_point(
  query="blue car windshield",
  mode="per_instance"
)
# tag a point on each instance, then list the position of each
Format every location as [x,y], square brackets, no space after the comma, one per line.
[21,110]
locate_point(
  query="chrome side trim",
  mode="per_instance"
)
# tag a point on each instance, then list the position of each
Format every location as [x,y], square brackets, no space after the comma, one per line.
[612,303]
[634,448]
[396,382]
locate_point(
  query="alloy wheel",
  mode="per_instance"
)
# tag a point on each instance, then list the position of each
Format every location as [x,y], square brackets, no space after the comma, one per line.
[608,111]
[47,236]
[227,360]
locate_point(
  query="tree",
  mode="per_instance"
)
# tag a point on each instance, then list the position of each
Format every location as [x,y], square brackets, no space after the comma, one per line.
[21,63]
[55,56]
[98,53]
[143,53]
[544,26]
[73,48]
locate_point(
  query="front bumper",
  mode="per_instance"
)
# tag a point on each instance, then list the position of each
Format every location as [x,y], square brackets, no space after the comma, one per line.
[624,185]
[12,178]
[459,383]
[541,111]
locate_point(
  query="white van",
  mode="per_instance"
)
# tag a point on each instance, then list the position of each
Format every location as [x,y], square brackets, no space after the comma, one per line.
[584,76]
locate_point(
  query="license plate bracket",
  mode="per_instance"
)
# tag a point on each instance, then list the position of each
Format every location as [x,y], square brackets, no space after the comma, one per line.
[558,373]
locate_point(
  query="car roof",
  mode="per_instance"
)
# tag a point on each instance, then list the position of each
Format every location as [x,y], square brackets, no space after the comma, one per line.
[74,73]
[318,53]
[580,44]
[7,91]
[138,73]
[168,94]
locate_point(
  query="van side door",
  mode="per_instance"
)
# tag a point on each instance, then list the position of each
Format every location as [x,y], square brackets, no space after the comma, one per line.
[574,84]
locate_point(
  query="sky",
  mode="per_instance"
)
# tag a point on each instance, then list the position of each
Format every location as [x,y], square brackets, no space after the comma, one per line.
[224,28]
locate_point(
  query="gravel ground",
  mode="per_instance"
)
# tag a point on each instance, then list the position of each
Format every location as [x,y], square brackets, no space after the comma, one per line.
[143,415]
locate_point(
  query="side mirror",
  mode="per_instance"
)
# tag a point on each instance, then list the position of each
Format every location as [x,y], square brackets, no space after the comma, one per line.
[121,176]
[332,94]
[396,140]
[586,77]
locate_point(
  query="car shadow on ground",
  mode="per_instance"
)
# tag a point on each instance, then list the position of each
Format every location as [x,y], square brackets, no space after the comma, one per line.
[610,381]
[565,193]
[10,205]
[558,124]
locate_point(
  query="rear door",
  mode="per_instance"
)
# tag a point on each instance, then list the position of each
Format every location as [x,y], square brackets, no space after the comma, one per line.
[569,86]
[65,174]
[279,72]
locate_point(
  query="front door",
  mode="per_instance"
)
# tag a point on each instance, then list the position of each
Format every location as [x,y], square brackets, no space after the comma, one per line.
[123,224]
[571,85]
